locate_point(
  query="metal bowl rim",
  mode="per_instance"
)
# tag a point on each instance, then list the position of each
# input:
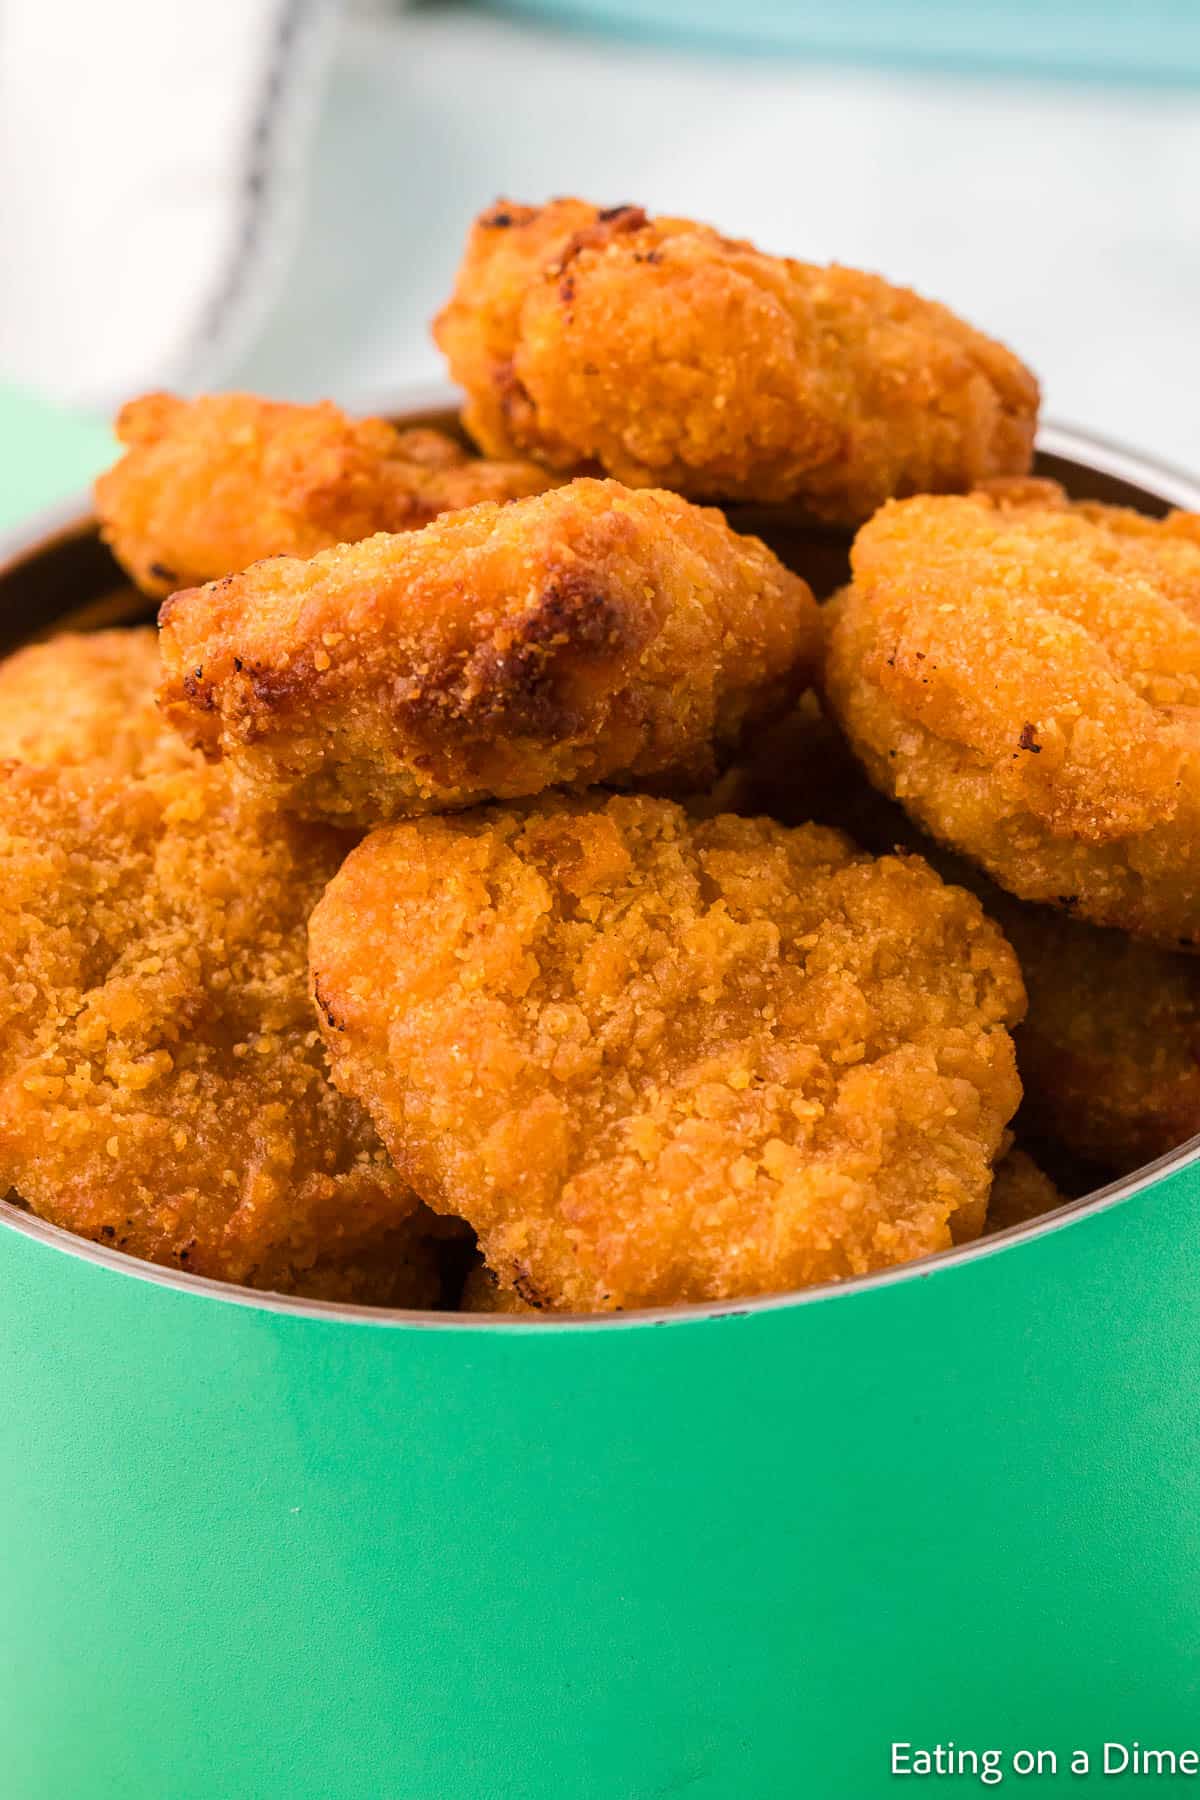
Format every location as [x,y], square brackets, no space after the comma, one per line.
[1106,457]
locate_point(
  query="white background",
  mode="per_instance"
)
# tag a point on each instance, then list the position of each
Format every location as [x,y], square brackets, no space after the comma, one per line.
[1064,219]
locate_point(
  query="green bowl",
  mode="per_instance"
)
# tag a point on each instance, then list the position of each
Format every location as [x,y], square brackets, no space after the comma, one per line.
[270,1549]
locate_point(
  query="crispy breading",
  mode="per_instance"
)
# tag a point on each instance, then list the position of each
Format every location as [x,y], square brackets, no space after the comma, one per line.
[1020,1192]
[163,1088]
[670,356]
[86,699]
[1109,1049]
[652,1060]
[591,634]
[208,486]
[1024,675]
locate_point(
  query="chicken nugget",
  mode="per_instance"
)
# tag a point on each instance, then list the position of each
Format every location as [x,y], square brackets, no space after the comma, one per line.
[163,1088]
[671,356]
[1024,676]
[162,1085]
[1109,1048]
[208,486]
[1020,1192]
[86,699]
[591,634]
[653,1060]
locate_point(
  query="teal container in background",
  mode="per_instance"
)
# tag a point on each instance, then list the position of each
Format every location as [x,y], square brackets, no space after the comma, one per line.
[1155,41]
[260,1549]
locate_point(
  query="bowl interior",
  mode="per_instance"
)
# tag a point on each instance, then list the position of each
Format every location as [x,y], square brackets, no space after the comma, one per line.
[66,578]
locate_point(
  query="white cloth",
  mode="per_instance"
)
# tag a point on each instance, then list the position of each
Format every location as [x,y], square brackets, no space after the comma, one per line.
[150,160]
[135,247]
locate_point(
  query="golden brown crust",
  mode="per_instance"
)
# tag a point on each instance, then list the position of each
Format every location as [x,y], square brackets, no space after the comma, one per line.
[591,634]
[162,1086]
[667,355]
[207,487]
[1109,1049]
[86,699]
[1020,1192]
[1024,675]
[653,1061]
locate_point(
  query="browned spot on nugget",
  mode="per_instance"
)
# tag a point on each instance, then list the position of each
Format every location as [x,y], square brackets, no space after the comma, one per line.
[590,634]
[690,360]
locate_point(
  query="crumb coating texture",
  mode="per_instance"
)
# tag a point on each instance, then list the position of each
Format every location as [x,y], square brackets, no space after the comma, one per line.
[667,355]
[653,1060]
[591,634]
[163,1088]
[86,700]
[1109,1049]
[1023,674]
[208,486]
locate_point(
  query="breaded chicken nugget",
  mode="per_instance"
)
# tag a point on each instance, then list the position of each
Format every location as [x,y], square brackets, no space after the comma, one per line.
[653,1060]
[591,634]
[674,357]
[209,486]
[1024,675]
[1020,1192]
[1109,1049]
[86,700]
[162,1086]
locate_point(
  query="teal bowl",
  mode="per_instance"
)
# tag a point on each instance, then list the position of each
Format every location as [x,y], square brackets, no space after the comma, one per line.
[271,1549]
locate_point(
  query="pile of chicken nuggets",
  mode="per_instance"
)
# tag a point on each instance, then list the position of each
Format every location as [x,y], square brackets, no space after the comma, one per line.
[501,885]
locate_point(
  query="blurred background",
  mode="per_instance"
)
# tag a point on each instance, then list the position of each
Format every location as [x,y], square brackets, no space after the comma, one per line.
[273,193]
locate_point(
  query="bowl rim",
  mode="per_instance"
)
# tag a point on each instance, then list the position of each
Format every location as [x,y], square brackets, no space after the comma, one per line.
[1105,456]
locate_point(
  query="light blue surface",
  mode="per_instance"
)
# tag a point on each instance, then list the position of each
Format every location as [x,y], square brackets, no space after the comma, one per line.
[1159,41]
